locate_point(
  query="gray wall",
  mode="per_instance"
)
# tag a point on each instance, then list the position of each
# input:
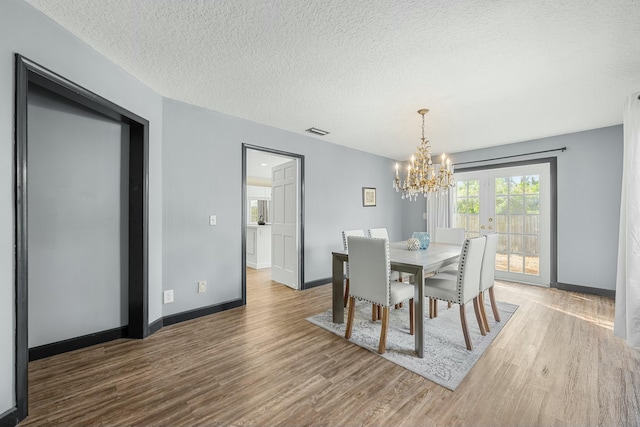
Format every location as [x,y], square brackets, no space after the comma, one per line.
[78,220]
[412,217]
[589,188]
[26,31]
[202,164]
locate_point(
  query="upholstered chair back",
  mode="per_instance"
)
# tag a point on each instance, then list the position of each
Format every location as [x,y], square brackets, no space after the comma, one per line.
[369,269]
[452,236]
[487,276]
[348,233]
[470,268]
[345,245]
[379,233]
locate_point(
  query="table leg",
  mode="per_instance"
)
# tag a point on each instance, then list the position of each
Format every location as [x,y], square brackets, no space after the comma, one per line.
[419,314]
[338,290]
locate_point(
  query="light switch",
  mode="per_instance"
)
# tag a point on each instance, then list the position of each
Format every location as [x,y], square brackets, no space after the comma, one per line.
[212,220]
[424,216]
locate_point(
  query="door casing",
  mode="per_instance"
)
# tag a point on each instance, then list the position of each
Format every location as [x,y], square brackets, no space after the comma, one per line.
[488,214]
[243,214]
[553,205]
[28,72]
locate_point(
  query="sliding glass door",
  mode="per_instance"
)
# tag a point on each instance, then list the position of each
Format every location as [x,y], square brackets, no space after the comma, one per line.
[513,202]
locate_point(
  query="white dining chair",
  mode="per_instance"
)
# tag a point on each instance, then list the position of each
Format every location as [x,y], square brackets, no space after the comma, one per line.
[382,233]
[369,270]
[379,233]
[345,246]
[451,236]
[463,287]
[487,278]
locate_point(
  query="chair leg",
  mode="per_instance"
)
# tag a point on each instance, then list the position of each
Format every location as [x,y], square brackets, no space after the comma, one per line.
[483,312]
[476,309]
[374,312]
[352,305]
[412,318]
[382,347]
[435,307]
[346,292]
[430,308]
[379,312]
[465,327]
[449,304]
[494,307]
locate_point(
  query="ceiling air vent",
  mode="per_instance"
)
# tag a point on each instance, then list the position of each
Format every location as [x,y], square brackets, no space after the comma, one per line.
[317,131]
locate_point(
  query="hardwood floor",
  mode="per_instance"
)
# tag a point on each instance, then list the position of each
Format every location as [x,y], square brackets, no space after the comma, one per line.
[556,363]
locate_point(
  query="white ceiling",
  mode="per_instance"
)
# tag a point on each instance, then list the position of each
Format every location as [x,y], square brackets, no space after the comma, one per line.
[259,163]
[492,72]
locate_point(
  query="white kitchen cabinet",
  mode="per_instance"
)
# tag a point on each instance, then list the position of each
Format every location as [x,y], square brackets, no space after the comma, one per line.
[259,246]
[255,191]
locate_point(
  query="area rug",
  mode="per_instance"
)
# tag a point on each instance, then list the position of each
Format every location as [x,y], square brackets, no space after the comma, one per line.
[447,360]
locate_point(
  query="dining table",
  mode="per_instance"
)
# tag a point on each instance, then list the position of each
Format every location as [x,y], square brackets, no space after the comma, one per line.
[419,263]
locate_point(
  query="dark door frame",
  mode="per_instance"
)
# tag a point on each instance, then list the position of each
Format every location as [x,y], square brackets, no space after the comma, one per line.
[300,158]
[553,208]
[28,72]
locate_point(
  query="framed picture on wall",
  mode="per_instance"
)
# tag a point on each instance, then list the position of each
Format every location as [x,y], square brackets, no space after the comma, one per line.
[368,196]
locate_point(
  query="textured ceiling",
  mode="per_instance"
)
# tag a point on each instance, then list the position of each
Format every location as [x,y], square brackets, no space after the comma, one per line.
[492,72]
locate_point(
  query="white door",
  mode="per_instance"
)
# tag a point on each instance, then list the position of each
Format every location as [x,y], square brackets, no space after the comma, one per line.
[284,224]
[513,202]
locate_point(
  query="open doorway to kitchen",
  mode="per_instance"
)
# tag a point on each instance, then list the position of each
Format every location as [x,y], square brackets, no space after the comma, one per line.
[272,217]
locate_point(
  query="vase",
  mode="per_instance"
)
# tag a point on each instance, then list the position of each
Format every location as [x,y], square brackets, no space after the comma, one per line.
[423,238]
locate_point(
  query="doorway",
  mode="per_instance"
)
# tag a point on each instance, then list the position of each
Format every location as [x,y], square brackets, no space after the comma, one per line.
[514,202]
[272,213]
[29,74]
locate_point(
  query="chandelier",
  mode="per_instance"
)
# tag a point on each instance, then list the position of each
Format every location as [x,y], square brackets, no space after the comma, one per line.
[423,177]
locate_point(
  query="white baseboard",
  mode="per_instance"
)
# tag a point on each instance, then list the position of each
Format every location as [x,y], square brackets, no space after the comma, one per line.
[259,265]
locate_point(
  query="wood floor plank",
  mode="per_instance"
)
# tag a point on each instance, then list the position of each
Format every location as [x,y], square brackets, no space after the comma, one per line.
[556,362]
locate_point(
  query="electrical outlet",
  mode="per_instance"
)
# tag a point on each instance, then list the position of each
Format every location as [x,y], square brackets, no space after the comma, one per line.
[424,216]
[202,287]
[213,220]
[168,296]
